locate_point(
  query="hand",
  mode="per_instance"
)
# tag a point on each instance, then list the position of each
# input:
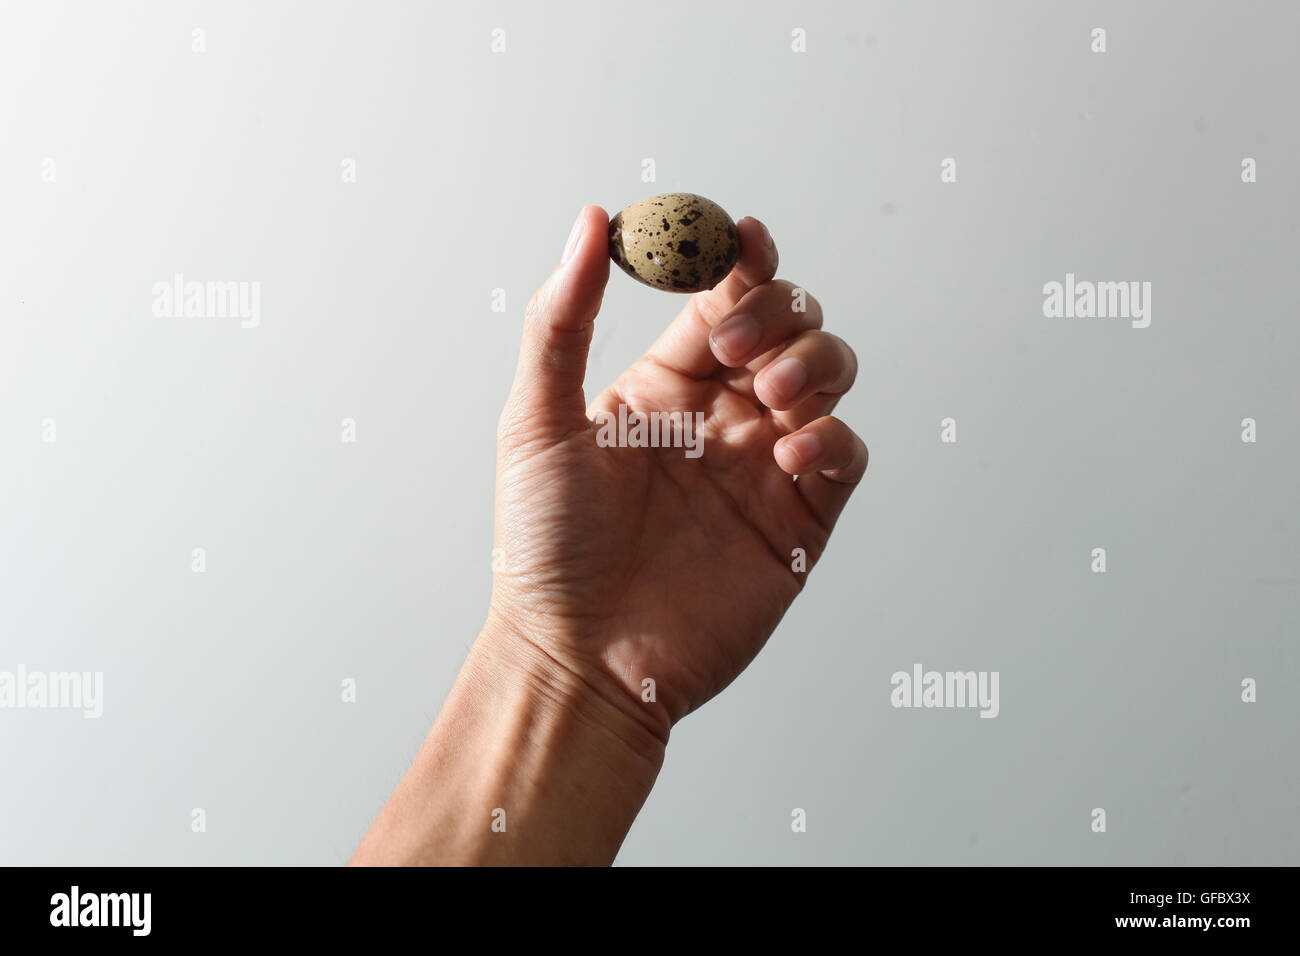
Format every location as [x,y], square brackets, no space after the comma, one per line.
[617,564]
[623,564]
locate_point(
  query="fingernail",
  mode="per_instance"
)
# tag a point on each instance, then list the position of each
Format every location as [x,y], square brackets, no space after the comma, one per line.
[787,378]
[737,336]
[807,447]
[575,235]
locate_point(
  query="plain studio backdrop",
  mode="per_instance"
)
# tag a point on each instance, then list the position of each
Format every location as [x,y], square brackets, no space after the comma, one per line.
[379,171]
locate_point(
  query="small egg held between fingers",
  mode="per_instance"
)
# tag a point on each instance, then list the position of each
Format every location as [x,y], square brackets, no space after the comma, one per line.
[678,242]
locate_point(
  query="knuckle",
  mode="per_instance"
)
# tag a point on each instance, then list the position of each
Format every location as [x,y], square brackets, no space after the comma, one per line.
[850,363]
[532,309]
[857,461]
[708,309]
[539,304]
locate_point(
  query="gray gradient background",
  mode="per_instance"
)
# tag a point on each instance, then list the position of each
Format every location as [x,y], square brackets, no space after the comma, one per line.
[371,561]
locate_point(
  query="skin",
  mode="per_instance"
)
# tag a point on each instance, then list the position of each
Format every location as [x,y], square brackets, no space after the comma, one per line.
[620,564]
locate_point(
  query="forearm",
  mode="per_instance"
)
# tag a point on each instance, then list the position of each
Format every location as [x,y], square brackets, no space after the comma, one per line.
[527,763]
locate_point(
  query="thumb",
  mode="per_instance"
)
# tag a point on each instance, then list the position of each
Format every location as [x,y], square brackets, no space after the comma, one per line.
[558,326]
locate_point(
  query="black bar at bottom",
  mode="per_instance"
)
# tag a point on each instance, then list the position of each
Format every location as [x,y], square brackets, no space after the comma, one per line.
[653,906]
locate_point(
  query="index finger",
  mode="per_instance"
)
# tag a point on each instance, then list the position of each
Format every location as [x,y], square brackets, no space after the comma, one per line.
[684,345]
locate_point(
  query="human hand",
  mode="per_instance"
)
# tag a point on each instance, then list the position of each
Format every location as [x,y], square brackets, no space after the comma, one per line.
[624,563]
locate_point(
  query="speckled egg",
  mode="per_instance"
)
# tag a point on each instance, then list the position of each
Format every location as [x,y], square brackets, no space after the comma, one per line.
[677,242]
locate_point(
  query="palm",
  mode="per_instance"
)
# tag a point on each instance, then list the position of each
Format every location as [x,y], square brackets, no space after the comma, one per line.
[672,568]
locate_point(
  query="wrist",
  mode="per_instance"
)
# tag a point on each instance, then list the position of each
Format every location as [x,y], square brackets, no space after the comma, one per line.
[579,686]
[531,761]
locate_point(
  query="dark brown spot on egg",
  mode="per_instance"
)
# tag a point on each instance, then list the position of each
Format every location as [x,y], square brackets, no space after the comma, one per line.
[687,248]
